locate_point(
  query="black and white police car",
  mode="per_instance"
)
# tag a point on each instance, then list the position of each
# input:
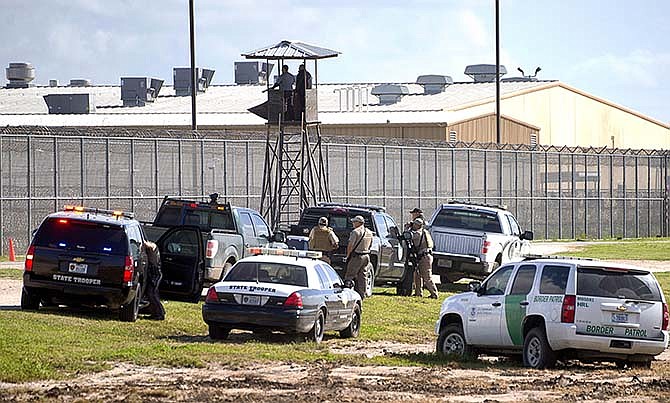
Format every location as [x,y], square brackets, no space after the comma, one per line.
[284,290]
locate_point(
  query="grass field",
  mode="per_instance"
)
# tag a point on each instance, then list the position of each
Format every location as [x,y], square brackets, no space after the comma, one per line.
[644,249]
[12,274]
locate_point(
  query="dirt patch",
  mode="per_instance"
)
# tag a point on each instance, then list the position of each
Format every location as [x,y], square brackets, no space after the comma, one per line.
[10,293]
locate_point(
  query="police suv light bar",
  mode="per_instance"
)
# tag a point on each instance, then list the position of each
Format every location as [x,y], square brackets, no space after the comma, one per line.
[115,213]
[285,252]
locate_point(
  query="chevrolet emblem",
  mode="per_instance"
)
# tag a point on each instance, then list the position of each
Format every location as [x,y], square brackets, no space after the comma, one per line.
[621,308]
[78,259]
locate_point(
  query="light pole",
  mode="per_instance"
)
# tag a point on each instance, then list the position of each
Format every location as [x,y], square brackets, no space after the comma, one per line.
[498,139]
[194,80]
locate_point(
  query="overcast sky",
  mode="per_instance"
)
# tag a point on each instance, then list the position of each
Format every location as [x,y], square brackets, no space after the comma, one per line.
[615,49]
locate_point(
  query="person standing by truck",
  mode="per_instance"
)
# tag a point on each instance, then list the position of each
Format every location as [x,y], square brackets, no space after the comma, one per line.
[414,214]
[423,244]
[154,275]
[358,254]
[322,238]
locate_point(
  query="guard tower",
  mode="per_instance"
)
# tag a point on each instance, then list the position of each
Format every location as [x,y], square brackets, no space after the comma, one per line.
[295,175]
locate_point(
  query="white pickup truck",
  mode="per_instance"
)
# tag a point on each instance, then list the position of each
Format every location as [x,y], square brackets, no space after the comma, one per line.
[472,240]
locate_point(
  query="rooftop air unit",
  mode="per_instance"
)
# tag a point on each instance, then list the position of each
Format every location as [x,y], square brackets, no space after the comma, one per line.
[517,79]
[484,73]
[389,93]
[137,91]
[433,83]
[20,75]
[70,103]
[251,72]
[182,80]
[80,82]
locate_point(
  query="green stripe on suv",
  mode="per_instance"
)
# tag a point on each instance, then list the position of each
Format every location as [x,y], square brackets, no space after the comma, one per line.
[514,314]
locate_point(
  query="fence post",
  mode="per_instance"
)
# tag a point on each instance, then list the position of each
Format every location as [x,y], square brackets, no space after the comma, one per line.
[2,225]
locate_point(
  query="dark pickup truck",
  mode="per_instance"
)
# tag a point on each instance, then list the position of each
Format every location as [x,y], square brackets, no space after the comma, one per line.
[386,254]
[205,239]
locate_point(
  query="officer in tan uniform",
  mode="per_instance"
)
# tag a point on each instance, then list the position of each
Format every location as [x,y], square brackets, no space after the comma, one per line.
[323,239]
[423,245]
[414,214]
[358,254]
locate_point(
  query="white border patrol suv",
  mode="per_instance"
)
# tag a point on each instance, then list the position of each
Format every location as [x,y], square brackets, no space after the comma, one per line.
[551,309]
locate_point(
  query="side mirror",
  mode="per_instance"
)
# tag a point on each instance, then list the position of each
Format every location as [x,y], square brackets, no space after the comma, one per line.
[348,283]
[279,236]
[474,286]
[528,235]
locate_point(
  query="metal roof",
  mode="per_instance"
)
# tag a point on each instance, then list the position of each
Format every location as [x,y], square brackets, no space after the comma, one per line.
[291,50]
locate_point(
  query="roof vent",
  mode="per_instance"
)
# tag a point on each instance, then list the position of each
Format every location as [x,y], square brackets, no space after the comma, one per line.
[433,83]
[53,83]
[389,93]
[484,73]
[182,80]
[137,91]
[70,103]
[20,75]
[80,82]
[252,72]
[517,79]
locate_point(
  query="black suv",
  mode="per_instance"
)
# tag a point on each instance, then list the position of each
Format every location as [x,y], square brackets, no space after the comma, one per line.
[386,253]
[86,256]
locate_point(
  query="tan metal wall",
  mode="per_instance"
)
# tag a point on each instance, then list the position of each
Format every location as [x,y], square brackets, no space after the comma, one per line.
[483,130]
[431,132]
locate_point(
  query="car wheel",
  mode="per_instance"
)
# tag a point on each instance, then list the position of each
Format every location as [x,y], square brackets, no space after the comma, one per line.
[646,364]
[226,268]
[218,332]
[449,278]
[30,300]
[316,334]
[537,353]
[354,327]
[451,342]
[130,311]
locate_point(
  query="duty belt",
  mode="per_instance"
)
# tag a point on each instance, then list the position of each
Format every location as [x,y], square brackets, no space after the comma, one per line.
[421,255]
[361,253]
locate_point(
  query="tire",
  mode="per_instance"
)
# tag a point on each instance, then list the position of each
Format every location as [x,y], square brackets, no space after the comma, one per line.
[646,364]
[449,278]
[354,327]
[30,300]
[226,268]
[537,353]
[218,332]
[130,311]
[316,334]
[451,342]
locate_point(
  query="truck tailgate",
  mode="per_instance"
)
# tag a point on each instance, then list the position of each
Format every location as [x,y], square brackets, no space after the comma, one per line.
[460,243]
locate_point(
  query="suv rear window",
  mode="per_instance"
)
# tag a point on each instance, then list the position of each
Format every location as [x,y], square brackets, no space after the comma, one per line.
[82,236]
[204,218]
[467,219]
[277,273]
[612,283]
[554,279]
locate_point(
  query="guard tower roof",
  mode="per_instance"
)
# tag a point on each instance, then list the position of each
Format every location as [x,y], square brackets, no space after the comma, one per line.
[291,50]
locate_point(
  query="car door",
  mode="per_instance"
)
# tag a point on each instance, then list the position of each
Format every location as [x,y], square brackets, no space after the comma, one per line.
[345,305]
[181,261]
[516,303]
[486,309]
[331,298]
[261,229]
[247,228]
[385,248]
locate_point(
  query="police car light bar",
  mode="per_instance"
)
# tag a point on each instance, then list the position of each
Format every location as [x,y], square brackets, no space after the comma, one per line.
[81,209]
[285,252]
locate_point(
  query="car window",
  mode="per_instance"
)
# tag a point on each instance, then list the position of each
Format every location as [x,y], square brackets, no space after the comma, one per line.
[554,279]
[247,225]
[83,236]
[516,230]
[135,239]
[468,219]
[221,220]
[382,229]
[601,282]
[390,222]
[169,216]
[182,243]
[260,226]
[497,283]
[324,282]
[332,275]
[268,272]
[523,282]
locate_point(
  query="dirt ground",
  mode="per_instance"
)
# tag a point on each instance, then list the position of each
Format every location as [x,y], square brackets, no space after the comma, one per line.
[488,380]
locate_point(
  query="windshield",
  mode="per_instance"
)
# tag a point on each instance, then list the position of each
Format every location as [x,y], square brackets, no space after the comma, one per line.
[615,283]
[339,220]
[83,236]
[468,219]
[263,272]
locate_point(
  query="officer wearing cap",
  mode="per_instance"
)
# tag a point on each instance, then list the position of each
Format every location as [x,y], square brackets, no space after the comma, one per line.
[154,276]
[415,213]
[358,254]
[323,239]
[423,245]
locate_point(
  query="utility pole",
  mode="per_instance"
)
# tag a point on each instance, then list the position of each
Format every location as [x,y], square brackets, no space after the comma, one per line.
[194,79]
[498,139]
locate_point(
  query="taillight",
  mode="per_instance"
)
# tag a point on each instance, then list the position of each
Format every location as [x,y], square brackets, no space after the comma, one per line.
[294,300]
[29,258]
[485,248]
[128,270]
[212,248]
[212,296]
[666,317]
[568,309]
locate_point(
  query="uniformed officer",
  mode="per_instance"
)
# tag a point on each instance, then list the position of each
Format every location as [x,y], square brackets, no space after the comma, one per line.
[323,239]
[154,275]
[423,244]
[358,254]
[415,213]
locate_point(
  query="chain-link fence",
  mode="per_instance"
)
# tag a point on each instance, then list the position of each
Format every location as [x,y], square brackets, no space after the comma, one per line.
[557,193]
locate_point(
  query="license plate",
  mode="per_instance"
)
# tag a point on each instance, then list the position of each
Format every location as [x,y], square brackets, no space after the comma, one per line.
[251,300]
[79,268]
[619,317]
[445,263]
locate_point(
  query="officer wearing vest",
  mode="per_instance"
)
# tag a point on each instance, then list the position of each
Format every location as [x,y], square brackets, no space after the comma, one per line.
[414,214]
[323,239]
[423,244]
[358,255]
